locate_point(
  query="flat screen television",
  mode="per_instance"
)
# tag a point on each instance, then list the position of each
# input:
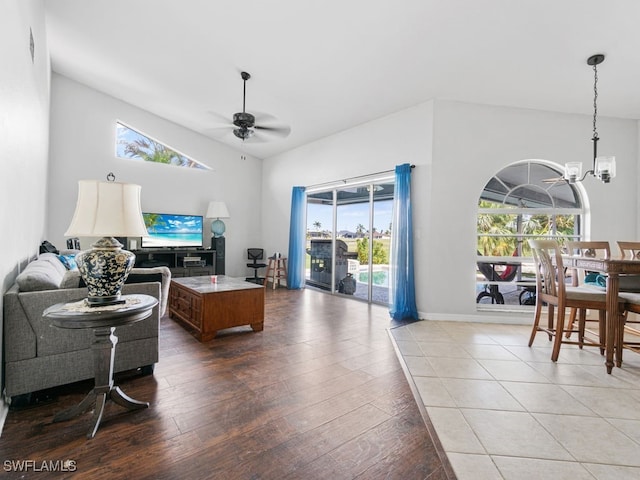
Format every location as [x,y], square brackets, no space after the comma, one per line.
[171,230]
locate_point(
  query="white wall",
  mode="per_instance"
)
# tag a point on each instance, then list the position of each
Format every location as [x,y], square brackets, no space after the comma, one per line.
[456,148]
[83,147]
[379,145]
[24,133]
[472,142]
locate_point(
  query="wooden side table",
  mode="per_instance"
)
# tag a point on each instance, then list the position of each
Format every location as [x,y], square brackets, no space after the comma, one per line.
[103,321]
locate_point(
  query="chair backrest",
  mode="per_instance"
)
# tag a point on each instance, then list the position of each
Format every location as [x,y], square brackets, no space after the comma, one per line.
[549,267]
[589,249]
[255,253]
[584,249]
[630,249]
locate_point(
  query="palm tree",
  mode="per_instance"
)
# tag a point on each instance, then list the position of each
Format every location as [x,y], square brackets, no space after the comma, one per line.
[360,230]
[152,151]
[317,225]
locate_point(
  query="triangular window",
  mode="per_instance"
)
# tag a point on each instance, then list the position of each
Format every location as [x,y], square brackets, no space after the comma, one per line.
[133,145]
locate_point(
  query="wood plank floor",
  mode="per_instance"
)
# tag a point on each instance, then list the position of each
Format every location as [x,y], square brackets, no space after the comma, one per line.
[319,394]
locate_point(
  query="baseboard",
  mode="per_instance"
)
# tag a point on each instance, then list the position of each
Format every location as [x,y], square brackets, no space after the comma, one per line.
[508,318]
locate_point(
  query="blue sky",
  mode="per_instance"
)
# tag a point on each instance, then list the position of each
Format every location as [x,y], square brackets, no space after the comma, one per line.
[349,216]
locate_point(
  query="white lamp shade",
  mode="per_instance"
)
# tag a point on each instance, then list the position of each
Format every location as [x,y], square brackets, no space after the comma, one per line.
[107,209]
[217,210]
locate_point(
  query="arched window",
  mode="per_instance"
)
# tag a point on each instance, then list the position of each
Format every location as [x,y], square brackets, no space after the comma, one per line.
[527,199]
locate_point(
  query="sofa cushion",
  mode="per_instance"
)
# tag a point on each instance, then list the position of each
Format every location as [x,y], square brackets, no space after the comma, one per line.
[45,273]
[71,279]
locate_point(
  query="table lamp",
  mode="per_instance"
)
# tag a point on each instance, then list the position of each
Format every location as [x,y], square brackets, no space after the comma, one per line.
[106,209]
[217,210]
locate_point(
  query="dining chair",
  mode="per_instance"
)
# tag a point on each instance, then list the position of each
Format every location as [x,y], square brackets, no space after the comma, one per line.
[589,249]
[551,283]
[630,292]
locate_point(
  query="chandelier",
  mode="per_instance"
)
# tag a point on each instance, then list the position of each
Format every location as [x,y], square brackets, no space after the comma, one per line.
[604,168]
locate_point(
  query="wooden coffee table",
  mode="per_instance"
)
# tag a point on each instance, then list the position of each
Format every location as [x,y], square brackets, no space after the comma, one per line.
[205,307]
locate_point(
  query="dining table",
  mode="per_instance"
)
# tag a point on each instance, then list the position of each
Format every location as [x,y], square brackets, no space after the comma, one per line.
[613,267]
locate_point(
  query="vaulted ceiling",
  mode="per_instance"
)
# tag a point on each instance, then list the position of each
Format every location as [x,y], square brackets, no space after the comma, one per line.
[321,67]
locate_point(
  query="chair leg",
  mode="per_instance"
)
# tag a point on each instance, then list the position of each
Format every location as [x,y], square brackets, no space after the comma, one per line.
[582,319]
[572,319]
[551,309]
[602,329]
[536,322]
[559,331]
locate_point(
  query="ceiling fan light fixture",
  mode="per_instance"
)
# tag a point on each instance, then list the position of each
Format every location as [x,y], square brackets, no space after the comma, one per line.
[243,133]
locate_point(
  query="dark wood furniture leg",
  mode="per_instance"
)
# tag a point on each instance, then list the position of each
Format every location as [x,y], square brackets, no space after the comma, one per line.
[103,347]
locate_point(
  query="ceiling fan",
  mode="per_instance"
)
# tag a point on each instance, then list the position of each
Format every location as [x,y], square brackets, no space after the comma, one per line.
[254,127]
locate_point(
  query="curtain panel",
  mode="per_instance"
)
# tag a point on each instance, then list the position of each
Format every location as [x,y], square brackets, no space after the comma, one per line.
[297,239]
[402,293]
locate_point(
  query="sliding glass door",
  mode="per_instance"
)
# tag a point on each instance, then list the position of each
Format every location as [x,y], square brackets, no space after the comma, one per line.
[348,240]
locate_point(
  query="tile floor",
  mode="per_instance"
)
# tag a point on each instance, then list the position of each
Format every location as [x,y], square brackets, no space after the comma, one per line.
[503,410]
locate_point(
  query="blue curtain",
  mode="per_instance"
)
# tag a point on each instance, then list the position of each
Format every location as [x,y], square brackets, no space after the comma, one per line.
[402,289]
[297,240]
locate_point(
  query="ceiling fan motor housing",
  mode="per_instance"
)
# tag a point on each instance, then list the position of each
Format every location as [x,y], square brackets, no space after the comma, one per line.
[243,120]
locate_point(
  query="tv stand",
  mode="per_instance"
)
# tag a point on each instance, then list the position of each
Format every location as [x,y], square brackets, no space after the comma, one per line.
[174,259]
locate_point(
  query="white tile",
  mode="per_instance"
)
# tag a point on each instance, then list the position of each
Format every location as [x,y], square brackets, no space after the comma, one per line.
[419,366]
[515,434]
[458,368]
[443,350]
[512,371]
[591,439]
[408,347]
[454,432]
[629,427]
[541,419]
[517,468]
[433,393]
[607,402]
[613,472]
[473,467]
[490,352]
[546,398]
[566,374]
[401,333]
[484,394]
[530,354]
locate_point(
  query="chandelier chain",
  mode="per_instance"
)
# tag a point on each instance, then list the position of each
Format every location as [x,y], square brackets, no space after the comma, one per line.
[595,100]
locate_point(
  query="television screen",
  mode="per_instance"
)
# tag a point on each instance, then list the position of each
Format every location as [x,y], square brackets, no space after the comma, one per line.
[169,230]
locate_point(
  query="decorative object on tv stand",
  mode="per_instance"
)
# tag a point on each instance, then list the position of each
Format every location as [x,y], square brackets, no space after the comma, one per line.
[603,168]
[106,209]
[217,210]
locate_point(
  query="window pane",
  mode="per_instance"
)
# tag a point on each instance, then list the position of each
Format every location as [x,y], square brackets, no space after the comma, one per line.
[133,145]
[524,200]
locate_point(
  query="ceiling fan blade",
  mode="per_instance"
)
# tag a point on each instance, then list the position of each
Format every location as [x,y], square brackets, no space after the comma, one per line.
[219,118]
[281,131]
[219,132]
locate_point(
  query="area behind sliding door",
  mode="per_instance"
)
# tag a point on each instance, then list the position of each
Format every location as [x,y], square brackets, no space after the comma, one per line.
[349,239]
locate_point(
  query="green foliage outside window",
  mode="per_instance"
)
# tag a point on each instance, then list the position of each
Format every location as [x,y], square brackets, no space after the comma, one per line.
[380,255]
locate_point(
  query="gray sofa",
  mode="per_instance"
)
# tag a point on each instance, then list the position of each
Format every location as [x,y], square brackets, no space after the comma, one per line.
[38,355]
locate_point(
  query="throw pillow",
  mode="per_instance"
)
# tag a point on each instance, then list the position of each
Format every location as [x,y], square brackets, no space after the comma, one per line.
[69,261]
